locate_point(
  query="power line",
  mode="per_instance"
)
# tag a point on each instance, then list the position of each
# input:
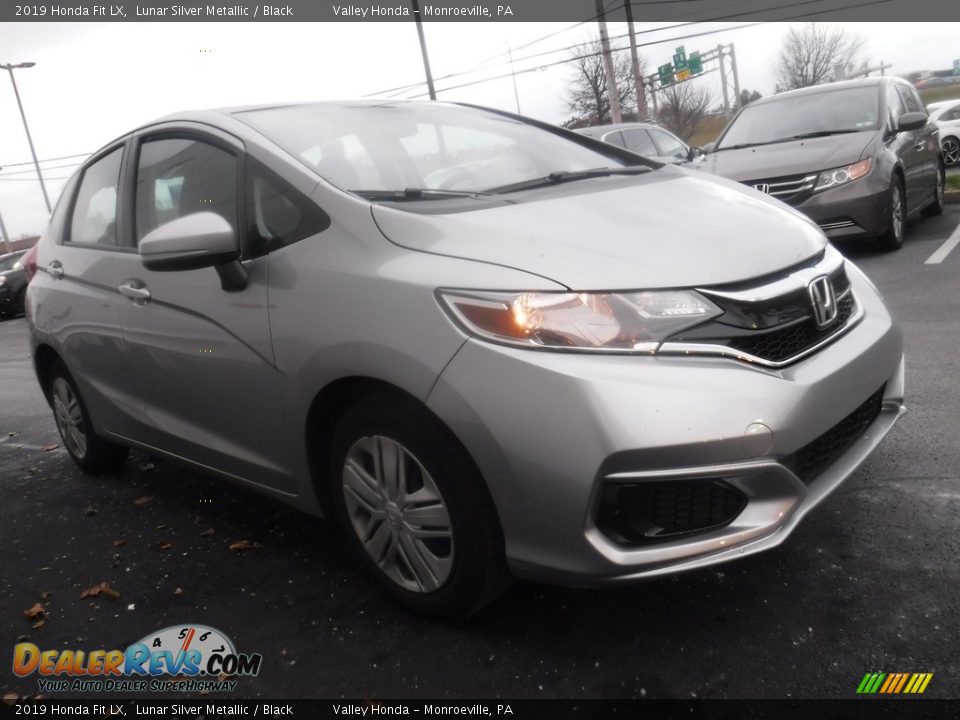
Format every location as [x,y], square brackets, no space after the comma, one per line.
[64,157]
[658,42]
[33,179]
[54,167]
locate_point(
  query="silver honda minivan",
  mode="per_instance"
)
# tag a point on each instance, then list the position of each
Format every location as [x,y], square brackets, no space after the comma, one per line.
[489,347]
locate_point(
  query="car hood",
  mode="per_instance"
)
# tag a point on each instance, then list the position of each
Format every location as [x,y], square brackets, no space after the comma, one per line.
[798,157]
[669,228]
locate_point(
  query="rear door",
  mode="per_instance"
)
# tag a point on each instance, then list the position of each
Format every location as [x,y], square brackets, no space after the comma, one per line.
[199,358]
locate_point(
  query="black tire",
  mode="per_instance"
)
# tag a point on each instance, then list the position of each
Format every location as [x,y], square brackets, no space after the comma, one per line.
[96,456]
[21,306]
[892,238]
[936,207]
[478,573]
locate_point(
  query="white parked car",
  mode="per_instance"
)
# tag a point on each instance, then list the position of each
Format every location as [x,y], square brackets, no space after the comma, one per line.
[946,114]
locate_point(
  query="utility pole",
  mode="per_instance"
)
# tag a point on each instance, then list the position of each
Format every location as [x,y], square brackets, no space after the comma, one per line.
[516,94]
[423,50]
[10,68]
[6,238]
[635,61]
[612,91]
[736,75]
[723,81]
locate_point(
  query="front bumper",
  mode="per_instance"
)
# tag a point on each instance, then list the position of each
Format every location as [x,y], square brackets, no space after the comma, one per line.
[858,209]
[549,429]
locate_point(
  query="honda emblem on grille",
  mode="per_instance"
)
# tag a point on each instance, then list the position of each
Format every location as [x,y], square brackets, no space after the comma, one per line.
[823,299]
[762,187]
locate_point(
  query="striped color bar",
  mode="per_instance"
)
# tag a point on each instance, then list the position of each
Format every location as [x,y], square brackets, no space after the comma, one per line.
[894,683]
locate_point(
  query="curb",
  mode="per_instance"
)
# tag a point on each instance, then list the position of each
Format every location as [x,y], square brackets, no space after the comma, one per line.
[951,196]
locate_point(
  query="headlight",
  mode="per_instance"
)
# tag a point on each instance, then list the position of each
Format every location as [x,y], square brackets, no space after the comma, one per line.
[3,280]
[619,322]
[841,176]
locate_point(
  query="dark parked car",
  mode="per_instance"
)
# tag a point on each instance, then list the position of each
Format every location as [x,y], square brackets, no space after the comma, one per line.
[858,157]
[644,139]
[13,284]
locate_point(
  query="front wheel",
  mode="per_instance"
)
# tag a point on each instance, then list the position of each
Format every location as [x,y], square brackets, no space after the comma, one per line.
[415,508]
[892,239]
[90,452]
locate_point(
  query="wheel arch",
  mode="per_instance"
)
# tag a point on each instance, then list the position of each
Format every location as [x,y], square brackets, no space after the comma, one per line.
[44,358]
[325,411]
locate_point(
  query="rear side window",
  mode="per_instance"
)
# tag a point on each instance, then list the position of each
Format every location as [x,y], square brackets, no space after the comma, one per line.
[181,176]
[277,213]
[614,138]
[951,114]
[95,209]
[638,141]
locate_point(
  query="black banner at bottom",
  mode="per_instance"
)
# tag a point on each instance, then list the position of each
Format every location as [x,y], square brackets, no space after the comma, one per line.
[360,709]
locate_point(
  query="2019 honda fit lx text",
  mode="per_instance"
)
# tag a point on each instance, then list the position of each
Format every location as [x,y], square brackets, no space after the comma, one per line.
[490,347]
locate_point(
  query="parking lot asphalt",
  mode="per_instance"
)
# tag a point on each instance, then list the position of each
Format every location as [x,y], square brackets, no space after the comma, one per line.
[868,582]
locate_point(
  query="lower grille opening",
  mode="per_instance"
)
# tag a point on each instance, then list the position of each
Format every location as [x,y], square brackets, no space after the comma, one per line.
[657,511]
[812,459]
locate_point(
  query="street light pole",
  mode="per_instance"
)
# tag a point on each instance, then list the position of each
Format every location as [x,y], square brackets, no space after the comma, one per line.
[423,50]
[3,231]
[10,68]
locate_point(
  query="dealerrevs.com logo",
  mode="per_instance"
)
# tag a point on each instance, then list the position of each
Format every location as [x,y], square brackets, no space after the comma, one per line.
[187,658]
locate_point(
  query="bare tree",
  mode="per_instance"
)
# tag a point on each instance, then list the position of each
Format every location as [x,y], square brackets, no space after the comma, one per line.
[682,107]
[587,95]
[813,53]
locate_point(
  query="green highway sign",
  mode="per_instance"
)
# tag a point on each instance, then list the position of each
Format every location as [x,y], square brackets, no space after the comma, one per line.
[680,59]
[666,74]
[694,64]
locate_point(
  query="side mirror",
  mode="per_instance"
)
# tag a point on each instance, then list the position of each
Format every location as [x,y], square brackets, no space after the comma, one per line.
[911,121]
[693,152]
[199,240]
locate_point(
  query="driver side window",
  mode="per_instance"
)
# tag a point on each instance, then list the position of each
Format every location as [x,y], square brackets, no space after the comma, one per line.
[95,209]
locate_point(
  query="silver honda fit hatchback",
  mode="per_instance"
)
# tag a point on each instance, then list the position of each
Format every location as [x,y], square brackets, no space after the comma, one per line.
[490,347]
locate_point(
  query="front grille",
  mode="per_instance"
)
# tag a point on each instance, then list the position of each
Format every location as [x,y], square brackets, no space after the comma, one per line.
[662,510]
[812,459]
[785,343]
[793,189]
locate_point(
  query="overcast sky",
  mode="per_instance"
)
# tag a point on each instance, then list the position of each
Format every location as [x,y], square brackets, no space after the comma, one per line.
[93,82]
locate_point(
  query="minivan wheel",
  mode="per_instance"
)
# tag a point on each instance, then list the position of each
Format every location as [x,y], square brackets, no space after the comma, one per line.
[415,508]
[892,239]
[936,207]
[90,452]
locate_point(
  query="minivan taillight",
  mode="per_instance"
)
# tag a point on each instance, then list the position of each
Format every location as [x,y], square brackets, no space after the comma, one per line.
[30,263]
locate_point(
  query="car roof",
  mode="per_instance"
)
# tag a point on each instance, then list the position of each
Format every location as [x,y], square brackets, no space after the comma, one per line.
[943,103]
[597,130]
[15,253]
[839,85]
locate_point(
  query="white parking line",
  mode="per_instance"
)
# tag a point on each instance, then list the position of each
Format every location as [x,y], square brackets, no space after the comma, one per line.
[941,252]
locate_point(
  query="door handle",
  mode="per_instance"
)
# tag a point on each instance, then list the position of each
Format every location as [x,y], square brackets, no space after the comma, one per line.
[54,269]
[135,290]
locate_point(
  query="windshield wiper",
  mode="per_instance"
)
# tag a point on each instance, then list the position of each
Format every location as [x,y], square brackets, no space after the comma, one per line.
[563,176]
[820,133]
[413,193]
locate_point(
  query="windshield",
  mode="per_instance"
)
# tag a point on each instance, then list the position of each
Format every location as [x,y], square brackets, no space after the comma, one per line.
[827,112]
[403,146]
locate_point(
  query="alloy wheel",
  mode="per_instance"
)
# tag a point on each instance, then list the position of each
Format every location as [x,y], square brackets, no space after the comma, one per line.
[896,213]
[398,514]
[951,151]
[69,417]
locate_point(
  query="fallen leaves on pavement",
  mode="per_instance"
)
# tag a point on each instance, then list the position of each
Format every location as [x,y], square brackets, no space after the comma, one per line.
[143,500]
[101,589]
[34,613]
[208,532]
[119,542]
[49,448]
[241,545]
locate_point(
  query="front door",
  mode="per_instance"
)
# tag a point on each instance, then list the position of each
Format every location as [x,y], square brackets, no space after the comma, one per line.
[199,358]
